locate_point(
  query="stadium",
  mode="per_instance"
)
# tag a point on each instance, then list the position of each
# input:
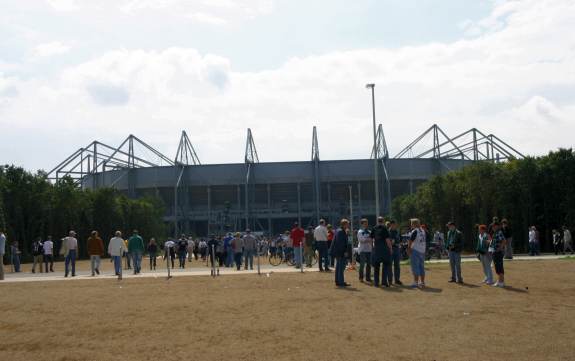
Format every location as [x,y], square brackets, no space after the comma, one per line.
[269,196]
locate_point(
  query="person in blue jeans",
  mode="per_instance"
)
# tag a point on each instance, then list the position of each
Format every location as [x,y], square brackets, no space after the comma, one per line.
[454,244]
[395,253]
[15,256]
[338,251]
[416,250]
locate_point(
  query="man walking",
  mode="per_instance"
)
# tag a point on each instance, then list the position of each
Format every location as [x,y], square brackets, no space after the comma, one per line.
[297,235]
[320,235]
[2,252]
[395,253]
[136,249]
[37,252]
[365,246]
[70,245]
[95,251]
[339,251]
[454,246]
[249,249]
[49,254]
[237,247]
[116,249]
[381,253]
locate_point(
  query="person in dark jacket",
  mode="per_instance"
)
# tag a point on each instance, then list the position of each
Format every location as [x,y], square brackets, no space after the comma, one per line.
[37,253]
[454,245]
[152,252]
[395,254]
[339,250]
[381,253]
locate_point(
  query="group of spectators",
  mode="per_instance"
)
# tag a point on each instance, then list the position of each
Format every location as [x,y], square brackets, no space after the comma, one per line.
[379,249]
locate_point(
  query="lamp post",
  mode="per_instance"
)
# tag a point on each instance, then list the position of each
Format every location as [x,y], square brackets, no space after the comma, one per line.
[376,181]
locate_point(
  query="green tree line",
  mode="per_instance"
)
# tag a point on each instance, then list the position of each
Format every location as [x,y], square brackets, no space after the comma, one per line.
[31,207]
[535,191]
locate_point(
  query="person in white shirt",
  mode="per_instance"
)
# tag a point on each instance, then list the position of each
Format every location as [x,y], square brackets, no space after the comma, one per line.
[365,241]
[532,241]
[116,250]
[567,240]
[49,254]
[416,251]
[320,235]
[71,252]
[2,252]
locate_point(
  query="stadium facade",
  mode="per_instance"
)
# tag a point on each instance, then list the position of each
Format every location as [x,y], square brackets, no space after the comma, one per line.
[269,196]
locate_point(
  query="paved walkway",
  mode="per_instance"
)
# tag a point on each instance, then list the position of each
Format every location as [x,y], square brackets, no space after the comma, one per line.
[265,269]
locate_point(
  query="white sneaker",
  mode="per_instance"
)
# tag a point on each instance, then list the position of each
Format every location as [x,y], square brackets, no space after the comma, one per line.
[496,284]
[500,284]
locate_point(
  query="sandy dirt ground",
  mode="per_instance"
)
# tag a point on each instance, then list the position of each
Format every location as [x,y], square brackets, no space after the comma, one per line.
[294,317]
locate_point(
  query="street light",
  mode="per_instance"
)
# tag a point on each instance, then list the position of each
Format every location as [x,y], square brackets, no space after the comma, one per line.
[372,87]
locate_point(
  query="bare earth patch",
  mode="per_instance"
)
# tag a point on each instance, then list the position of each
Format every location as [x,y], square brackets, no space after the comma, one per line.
[294,316]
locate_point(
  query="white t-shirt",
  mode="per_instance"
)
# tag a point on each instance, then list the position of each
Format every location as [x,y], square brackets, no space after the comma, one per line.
[71,243]
[48,247]
[365,241]
[532,235]
[320,233]
[419,242]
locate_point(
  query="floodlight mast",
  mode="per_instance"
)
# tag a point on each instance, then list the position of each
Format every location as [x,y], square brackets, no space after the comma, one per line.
[375,173]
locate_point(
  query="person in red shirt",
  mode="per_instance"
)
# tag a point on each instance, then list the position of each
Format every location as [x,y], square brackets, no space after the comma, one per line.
[297,235]
[330,236]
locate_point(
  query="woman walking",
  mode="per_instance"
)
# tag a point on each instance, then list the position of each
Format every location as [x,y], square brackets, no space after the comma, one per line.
[153,253]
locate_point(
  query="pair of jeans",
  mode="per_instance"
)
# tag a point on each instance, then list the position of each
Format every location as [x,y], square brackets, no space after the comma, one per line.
[152,261]
[395,260]
[486,264]
[49,259]
[339,270]
[70,258]
[94,263]
[15,259]
[117,265]
[37,261]
[417,260]
[297,256]
[137,261]
[182,259]
[229,257]
[128,260]
[323,257]
[455,264]
[365,263]
[238,260]
[249,258]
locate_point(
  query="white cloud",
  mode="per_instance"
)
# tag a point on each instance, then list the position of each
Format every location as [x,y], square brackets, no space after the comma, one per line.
[207,19]
[50,49]
[498,81]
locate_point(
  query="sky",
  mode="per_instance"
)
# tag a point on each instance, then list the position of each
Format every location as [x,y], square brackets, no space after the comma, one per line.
[74,71]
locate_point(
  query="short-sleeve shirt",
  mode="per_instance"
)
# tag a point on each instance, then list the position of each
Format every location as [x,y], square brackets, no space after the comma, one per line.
[498,238]
[48,247]
[71,243]
[418,239]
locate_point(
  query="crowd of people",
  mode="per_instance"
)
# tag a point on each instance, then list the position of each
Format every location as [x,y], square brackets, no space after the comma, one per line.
[378,250]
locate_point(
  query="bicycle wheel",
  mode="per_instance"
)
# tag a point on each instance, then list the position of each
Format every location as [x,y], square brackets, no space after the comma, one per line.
[275,259]
[314,259]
